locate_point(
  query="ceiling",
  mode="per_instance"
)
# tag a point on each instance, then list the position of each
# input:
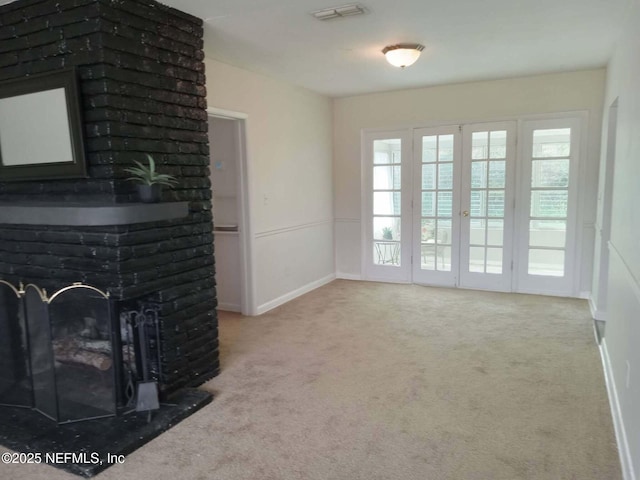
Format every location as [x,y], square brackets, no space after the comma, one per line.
[465,40]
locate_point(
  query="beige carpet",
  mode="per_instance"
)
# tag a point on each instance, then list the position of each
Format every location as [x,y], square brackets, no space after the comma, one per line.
[376,381]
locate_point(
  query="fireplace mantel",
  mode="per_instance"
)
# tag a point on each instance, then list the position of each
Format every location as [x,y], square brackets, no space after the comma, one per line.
[89,214]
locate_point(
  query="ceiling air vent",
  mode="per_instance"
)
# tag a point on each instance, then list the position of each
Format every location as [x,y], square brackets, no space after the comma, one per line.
[338,12]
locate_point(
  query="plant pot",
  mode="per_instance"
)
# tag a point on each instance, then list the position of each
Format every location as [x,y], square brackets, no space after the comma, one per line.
[149,193]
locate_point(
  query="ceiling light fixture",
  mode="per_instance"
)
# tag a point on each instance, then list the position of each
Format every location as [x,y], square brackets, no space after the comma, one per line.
[403,55]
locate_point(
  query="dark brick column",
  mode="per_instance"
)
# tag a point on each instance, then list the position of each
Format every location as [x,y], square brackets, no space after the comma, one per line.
[142,80]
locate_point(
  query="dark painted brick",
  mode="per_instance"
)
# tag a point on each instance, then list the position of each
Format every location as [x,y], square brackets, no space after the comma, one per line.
[143,87]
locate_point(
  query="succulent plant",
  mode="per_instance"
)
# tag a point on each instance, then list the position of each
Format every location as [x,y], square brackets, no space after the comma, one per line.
[148,175]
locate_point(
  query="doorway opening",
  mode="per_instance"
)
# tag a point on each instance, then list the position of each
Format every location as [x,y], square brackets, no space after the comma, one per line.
[230,207]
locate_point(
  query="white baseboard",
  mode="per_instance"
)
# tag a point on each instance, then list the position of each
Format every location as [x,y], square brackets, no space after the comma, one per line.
[348,276]
[595,313]
[584,295]
[287,297]
[616,413]
[229,307]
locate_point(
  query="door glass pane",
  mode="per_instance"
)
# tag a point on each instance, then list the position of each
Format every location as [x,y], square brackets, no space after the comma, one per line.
[479,145]
[386,253]
[548,233]
[494,260]
[387,151]
[428,256]
[435,257]
[443,262]
[496,203]
[445,148]
[479,175]
[550,173]
[477,232]
[498,144]
[552,143]
[429,176]
[445,176]
[549,203]
[386,203]
[546,262]
[445,205]
[428,204]
[478,203]
[429,148]
[386,178]
[495,232]
[476,259]
[386,228]
[497,174]
[444,232]
[428,230]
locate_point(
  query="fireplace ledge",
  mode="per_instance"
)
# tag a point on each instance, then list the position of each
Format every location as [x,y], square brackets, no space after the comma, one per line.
[88,214]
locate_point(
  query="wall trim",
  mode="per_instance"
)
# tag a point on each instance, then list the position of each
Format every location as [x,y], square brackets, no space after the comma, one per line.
[348,276]
[221,112]
[287,297]
[618,422]
[595,313]
[293,228]
[228,307]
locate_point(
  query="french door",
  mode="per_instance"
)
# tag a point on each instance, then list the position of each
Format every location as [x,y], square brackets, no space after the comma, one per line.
[463,187]
[441,205]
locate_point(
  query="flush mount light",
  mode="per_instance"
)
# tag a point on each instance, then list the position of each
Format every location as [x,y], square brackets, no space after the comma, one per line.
[402,55]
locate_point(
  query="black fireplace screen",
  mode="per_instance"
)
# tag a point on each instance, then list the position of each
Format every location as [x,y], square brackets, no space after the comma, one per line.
[59,353]
[15,377]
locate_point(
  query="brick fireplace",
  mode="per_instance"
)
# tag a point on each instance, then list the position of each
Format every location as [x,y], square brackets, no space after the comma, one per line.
[141,74]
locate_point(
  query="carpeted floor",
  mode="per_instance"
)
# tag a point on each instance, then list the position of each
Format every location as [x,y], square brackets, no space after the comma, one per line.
[377,381]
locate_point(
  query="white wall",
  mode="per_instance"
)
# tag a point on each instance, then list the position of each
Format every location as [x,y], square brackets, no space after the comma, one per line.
[290,179]
[477,101]
[622,335]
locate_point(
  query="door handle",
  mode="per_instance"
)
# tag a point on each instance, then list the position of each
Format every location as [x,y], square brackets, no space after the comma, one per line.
[465,213]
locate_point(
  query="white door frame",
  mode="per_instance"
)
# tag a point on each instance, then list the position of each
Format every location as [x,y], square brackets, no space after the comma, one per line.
[245,222]
[386,273]
[565,286]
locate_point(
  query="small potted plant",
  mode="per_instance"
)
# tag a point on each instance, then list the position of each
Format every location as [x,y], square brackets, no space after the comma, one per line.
[149,180]
[387,233]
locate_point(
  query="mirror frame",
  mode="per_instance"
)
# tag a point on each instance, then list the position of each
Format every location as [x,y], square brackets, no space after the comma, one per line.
[68,80]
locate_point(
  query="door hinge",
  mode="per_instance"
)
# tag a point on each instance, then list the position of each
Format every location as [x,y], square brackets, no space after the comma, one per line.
[512,265]
[460,128]
[411,259]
